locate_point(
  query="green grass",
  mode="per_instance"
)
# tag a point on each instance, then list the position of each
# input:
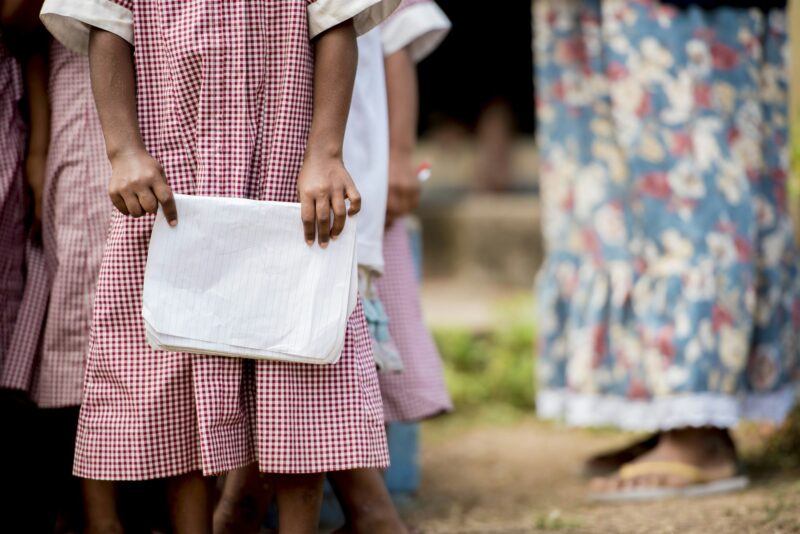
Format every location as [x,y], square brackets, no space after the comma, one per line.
[555,520]
[493,368]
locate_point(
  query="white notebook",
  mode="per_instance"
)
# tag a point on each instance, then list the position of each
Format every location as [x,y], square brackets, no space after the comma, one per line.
[236,278]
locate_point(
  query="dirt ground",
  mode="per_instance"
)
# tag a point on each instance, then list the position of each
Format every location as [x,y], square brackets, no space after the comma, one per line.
[520,476]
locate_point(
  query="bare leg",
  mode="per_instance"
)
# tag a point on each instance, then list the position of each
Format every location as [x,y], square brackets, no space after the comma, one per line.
[299,502]
[189,498]
[367,504]
[244,503]
[100,502]
[62,423]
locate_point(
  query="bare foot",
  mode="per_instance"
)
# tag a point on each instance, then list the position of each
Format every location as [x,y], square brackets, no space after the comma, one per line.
[607,463]
[709,450]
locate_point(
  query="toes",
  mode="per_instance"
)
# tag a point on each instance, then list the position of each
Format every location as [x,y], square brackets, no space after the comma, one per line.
[617,484]
[605,484]
[674,481]
[650,481]
[599,484]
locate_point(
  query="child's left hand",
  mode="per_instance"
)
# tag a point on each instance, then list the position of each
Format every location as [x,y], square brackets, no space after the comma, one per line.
[323,186]
[404,188]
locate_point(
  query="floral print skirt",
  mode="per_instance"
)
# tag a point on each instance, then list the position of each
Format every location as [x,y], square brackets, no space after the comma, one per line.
[670,296]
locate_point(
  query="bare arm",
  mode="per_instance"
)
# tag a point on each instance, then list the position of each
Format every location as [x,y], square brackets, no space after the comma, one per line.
[324,183]
[137,183]
[20,16]
[402,91]
[36,82]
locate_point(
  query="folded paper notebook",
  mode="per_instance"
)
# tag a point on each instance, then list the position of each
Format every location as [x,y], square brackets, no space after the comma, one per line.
[236,278]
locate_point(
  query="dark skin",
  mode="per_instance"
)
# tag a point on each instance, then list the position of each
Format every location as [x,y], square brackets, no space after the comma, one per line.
[402,91]
[100,503]
[36,75]
[244,503]
[138,186]
[299,502]
[324,183]
[367,504]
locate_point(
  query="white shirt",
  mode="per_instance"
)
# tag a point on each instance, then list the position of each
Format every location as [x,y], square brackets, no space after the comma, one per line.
[366,149]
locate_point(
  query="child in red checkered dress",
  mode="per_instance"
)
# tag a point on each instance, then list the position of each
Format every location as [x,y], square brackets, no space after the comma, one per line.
[23,148]
[237,98]
[419,391]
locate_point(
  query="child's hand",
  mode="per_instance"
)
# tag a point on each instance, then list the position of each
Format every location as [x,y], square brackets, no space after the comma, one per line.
[138,186]
[34,175]
[404,189]
[323,186]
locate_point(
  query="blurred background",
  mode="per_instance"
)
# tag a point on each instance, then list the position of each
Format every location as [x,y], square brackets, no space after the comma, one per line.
[479,221]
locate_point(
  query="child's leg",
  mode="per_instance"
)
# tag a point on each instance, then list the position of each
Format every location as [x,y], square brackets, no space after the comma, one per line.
[299,502]
[22,450]
[244,503]
[366,502]
[190,506]
[60,425]
[100,507]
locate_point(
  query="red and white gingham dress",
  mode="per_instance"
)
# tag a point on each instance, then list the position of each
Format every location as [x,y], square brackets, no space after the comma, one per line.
[12,203]
[20,364]
[77,213]
[225,101]
[48,350]
[420,390]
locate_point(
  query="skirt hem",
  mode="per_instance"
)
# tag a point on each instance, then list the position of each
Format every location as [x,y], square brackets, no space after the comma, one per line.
[665,413]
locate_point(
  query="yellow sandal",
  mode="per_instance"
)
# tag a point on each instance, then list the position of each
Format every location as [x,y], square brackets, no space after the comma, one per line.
[698,483]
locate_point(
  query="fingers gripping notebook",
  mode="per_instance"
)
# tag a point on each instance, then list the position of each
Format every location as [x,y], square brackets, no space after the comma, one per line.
[236,278]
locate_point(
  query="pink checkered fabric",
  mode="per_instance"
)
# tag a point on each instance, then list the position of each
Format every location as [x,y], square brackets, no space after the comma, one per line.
[12,204]
[21,358]
[226,120]
[419,391]
[75,225]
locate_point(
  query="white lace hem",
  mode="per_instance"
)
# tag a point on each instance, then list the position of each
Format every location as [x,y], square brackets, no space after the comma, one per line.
[666,413]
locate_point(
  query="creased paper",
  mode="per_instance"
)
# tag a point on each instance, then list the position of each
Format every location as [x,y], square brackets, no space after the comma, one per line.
[236,278]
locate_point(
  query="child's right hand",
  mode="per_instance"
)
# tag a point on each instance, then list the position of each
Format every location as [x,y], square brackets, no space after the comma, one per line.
[34,175]
[138,186]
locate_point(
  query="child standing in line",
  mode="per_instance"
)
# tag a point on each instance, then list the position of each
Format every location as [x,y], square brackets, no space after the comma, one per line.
[24,117]
[200,112]
[419,391]
[12,200]
[246,495]
[75,217]
[24,151]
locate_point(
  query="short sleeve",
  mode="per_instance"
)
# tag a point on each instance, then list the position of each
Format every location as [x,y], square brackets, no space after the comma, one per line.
[366,14]
[70,21]
[419,25]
